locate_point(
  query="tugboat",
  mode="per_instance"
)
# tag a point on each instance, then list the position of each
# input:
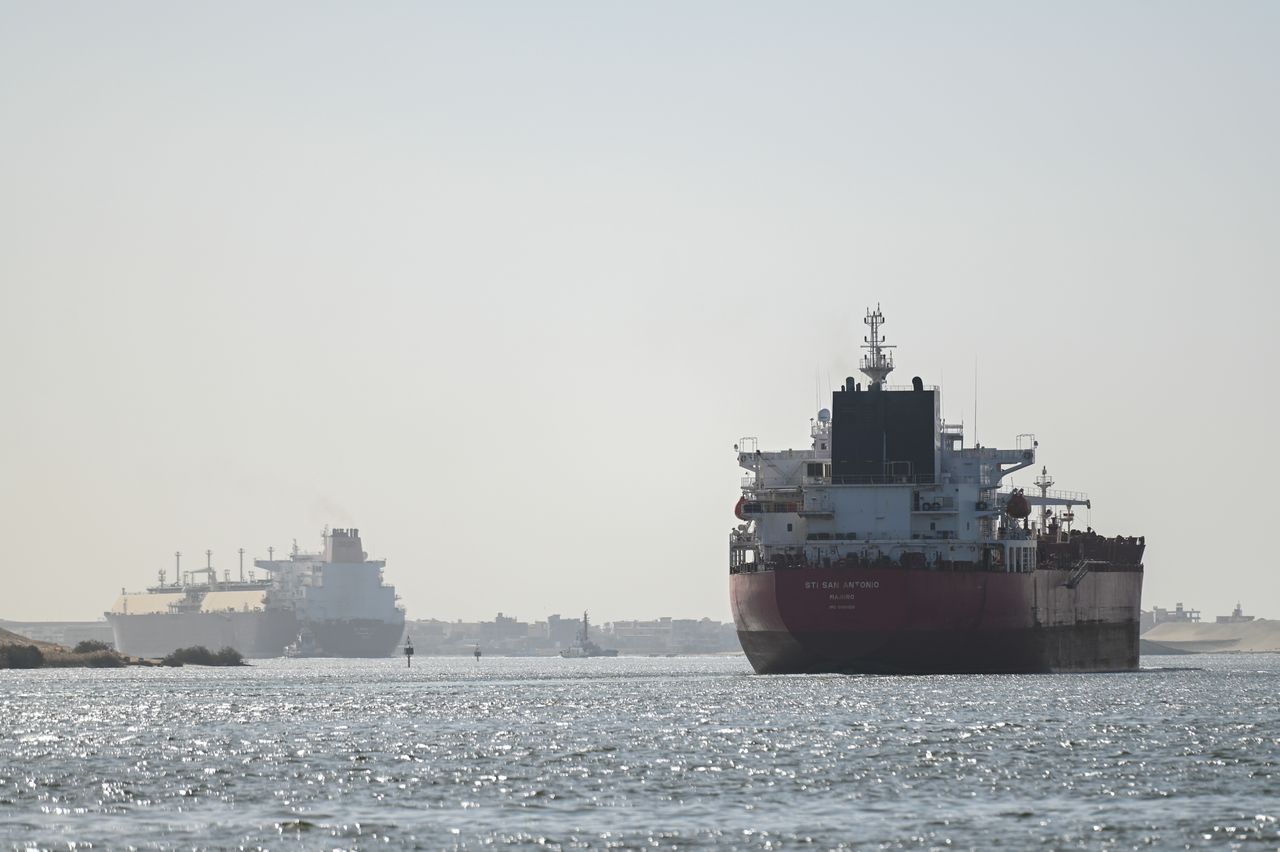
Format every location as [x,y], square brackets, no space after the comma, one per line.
[584,647]
[889,546]
[305,645]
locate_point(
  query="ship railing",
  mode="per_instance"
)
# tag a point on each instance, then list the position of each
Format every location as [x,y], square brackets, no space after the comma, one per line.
[995,454]
[944,565]
[1075,497]
[756,507]
[884,479]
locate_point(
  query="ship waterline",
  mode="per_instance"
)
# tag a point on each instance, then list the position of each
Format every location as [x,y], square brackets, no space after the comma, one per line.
[357,637]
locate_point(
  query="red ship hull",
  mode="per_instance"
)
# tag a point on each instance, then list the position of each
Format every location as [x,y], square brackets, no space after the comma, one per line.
[917,621]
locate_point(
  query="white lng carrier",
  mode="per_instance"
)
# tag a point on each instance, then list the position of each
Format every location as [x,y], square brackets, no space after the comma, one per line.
[336,599]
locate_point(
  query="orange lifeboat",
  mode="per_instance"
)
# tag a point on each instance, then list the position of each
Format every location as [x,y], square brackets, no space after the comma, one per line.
[1018,506]
[737,510]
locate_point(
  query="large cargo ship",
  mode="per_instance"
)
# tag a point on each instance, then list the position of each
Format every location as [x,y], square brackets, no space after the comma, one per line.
[336,599]
[889,546]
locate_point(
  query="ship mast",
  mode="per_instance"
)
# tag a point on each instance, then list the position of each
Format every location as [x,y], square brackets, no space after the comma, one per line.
[876,364]
[1044,482]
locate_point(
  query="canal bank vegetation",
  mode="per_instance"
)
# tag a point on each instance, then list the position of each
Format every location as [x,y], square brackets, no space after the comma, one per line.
[19,652]
[21,657]
[198,655]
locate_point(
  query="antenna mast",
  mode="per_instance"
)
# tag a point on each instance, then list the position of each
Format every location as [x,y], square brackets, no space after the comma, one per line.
[876,364]
[1044,482]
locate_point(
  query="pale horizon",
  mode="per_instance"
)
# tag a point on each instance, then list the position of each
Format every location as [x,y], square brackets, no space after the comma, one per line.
[502,284]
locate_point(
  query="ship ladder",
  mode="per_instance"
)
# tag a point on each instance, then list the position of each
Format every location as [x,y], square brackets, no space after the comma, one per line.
[1078,572]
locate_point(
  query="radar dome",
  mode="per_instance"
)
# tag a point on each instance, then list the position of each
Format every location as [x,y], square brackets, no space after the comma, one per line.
[824,416]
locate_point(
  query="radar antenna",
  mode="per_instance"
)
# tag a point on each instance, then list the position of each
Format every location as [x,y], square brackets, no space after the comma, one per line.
[876,364]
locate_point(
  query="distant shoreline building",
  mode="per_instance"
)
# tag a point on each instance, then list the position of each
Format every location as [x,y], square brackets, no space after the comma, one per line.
[508,635]
[1183,615]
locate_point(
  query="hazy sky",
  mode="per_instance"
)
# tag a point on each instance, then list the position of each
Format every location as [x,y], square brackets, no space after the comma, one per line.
[502,284]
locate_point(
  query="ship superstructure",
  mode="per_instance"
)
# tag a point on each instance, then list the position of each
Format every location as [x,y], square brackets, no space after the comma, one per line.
[337,598]
[340,597]
[890,545]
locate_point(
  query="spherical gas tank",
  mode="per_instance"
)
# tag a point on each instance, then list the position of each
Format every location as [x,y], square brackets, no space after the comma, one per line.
[1018,506]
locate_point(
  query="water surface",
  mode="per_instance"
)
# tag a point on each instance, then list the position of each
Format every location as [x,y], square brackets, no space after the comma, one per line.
[637,751]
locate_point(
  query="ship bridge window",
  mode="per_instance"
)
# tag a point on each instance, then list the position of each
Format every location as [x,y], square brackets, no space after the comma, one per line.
[814,468]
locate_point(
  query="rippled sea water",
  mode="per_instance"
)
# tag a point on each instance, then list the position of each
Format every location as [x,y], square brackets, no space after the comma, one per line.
[638,751]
